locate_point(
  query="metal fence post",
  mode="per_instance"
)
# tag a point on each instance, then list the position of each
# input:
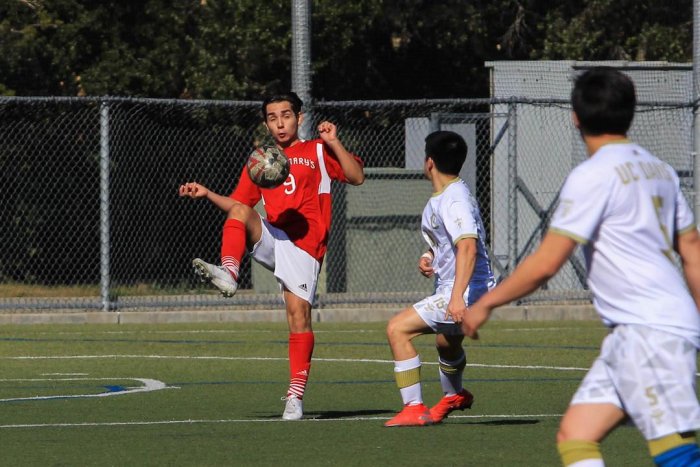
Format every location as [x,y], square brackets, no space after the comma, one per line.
[301,60]
[104,207]
[434,124]
[512,187]
[696,111]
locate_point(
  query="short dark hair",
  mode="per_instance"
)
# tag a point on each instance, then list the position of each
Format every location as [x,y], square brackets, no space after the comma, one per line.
[289,96]
[603,99]
[447,149]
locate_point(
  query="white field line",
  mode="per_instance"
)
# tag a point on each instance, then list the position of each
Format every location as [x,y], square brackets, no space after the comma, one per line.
[207,331]
[268,331]
[334,360]
[305,420]
[148,386]
[563,328]
[64,374]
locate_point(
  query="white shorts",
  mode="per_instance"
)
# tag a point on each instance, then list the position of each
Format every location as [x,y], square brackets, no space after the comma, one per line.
[432,309]
[293,267]
[650,374]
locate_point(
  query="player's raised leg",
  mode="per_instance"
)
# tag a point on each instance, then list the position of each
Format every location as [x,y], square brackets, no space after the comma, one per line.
[401,329]
[452,361]
[242,227]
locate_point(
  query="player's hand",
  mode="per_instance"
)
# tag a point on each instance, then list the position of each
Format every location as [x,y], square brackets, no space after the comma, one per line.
[425,266]
[456,310]
[327,131]
[474,318]
[193,190]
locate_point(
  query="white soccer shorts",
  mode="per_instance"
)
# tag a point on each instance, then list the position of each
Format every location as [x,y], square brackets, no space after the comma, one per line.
[432,309]
[293,267]
[648,373]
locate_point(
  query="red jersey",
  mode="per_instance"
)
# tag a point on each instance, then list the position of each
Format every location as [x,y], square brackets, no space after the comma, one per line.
[301,206]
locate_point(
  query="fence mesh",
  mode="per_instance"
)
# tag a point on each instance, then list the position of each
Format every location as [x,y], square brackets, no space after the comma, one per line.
[90,217]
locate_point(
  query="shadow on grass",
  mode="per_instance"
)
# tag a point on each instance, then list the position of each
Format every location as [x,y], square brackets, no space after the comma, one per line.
[333,414]
[497,422]
[347,413]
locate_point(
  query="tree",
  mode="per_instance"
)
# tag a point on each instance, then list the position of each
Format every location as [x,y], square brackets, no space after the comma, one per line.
[618,30]
[36,47]
[154,48]
[383,49]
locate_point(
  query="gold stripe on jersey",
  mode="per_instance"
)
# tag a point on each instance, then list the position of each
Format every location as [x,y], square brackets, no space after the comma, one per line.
[618,141]
[454,180]
[660,445]
[462,237]
[572,236]
[407,378]
[687,229]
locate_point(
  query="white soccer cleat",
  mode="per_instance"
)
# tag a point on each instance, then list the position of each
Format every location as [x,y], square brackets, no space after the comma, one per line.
[217,275]
[294,409]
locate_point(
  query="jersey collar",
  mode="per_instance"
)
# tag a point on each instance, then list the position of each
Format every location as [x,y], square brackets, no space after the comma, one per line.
[454,180]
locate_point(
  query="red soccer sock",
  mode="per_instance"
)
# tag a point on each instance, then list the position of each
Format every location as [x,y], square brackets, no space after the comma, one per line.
[301,347]
[232,245]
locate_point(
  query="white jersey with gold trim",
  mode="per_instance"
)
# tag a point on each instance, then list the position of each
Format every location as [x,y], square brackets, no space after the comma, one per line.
[625,206]
[450,215]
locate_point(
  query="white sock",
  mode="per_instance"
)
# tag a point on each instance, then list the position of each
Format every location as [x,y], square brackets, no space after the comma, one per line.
[588,463]
[411,395]
[451,382]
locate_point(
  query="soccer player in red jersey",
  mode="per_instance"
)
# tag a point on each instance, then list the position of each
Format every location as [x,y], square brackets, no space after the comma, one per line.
[291,240]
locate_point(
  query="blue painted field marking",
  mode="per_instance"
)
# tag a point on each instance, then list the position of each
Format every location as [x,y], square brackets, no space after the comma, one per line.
[148,385]
[115,388]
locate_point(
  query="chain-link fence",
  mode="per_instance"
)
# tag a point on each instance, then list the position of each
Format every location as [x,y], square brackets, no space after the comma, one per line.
[90,217]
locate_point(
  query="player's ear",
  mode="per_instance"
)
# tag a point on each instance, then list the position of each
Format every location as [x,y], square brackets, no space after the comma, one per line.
[300,117]
[428,167]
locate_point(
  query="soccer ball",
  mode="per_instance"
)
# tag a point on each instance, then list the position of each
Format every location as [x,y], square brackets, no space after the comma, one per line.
[268,167]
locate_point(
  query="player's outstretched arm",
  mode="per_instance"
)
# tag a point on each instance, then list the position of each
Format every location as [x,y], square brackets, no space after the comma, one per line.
[196,190]
[351,168]
[534,271]
[688,246]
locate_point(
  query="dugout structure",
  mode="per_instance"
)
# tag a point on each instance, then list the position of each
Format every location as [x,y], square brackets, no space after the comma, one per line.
[544,146]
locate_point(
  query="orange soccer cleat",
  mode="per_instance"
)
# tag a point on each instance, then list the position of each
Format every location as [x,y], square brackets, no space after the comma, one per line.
[460,401]
[411,415]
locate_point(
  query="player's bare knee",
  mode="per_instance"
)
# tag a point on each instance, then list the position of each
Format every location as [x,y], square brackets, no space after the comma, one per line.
[393,329]
[390,329]
[240,211]
[568,431]
[561,436]
[298,315]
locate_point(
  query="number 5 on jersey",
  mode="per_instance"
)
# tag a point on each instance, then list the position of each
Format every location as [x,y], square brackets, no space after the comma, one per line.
[658,204]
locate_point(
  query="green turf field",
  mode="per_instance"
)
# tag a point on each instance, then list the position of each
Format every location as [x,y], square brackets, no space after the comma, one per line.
[209,394]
